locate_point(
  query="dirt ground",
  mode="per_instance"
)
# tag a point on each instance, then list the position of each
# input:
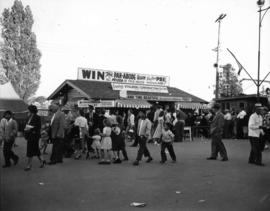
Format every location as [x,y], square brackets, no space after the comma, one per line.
[193,183]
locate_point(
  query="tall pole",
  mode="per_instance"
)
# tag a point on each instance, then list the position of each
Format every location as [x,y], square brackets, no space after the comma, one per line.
[217,72]
[216,64]
[259,54]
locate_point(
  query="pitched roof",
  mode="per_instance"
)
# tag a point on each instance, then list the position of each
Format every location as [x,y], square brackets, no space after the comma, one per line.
[103,90]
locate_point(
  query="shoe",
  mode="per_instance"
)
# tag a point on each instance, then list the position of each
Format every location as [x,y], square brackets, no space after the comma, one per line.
[59,161]
[162,161]
[224,159]
[135,163]
[173,161]
[52,163]
[149,160]
[211,158]
[251,162]
[102,162]
[117,161]
[28,168]
[125,159]
[259,164]
[16,161]
[6,166]
[43,163]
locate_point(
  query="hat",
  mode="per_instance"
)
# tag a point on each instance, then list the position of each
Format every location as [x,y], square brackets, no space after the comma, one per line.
[257,105]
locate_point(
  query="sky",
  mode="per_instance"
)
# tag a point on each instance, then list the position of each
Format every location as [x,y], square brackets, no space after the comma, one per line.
[174,38]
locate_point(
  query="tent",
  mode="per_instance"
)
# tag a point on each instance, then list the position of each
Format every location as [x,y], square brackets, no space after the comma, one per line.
[10,100]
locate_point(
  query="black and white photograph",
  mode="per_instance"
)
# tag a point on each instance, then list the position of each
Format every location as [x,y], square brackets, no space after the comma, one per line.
[122,105]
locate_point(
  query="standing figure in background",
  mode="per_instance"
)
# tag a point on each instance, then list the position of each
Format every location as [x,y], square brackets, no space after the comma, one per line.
[255,132]
[8,133]
[216,130]
[57,134]
[179,129]
[227,124]
[240,123]
[81,122]
[32,135]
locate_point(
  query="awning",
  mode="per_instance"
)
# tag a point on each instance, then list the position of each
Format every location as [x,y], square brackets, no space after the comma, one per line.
[132,103]
[191,105]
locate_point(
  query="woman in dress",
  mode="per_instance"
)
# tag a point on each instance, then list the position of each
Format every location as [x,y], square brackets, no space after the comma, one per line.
[32,135]
[158,131]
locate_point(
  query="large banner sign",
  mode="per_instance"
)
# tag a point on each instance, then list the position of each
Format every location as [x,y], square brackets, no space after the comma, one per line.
[122,77]
[139,88]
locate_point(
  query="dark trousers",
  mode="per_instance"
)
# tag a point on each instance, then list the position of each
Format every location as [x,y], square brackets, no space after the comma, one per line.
[124,152]
[255,155]
[169,146]
[217,146]
[142,148]
[8,153]
[57,150]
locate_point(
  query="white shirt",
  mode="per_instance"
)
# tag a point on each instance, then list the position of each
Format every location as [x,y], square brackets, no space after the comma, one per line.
[132,119]
[241,114]
[255,121]
[81,122]
[228,116]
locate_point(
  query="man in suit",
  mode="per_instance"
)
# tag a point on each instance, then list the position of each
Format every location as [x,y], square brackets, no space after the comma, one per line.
[8,133]
[216,130]
[57,133]
[143,132]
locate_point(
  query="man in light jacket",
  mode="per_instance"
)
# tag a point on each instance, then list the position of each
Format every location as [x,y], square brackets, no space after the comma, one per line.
[143,132]
[8,133]
[255,130]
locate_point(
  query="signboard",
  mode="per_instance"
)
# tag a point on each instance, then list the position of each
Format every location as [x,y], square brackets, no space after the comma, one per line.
[139,88]
[161,98]
[121,77]
[100,104]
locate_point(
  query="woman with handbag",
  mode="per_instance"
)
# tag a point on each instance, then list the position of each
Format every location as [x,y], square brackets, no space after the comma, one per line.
[32,135]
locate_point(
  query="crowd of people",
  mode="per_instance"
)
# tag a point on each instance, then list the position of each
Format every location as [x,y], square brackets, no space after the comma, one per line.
[96,134]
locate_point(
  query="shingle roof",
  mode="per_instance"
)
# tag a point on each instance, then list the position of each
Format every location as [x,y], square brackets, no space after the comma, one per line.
[103,90]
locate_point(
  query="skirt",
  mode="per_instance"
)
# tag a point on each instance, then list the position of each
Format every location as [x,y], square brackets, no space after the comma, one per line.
[106,143]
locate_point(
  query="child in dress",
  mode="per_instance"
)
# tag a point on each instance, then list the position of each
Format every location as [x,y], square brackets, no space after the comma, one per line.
[96,145]
[106,142]
[167,143]
[44,138]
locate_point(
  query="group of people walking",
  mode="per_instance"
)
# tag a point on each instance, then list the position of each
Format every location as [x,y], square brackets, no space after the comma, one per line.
[93,133]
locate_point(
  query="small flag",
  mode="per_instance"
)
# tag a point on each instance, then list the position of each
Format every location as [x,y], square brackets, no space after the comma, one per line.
[240,67]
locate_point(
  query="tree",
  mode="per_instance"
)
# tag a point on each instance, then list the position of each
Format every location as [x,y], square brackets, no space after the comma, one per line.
[19,53]
[229,83]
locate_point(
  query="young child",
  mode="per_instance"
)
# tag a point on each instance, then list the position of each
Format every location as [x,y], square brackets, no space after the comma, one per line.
[96,145]
[118,144]
[106,142]
[167,143]
[44,138]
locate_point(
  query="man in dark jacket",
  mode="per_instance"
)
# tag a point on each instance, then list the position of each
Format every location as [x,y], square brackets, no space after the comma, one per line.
[216,130]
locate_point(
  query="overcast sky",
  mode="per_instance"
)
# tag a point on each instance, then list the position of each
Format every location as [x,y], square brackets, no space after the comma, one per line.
[163,37]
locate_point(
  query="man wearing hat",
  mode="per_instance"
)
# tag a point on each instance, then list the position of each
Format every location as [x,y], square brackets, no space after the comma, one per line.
[255,131]
[216,130]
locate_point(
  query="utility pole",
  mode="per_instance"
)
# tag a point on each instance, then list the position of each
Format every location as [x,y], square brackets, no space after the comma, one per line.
[216,65]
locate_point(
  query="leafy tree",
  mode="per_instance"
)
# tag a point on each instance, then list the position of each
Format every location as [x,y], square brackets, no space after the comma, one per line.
[19,53]
[229,83]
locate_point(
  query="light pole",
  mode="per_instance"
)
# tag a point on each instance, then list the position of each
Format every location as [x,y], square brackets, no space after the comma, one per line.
[260,3]
[216,64]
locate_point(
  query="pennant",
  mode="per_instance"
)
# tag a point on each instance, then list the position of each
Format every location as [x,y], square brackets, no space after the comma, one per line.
[240,67]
